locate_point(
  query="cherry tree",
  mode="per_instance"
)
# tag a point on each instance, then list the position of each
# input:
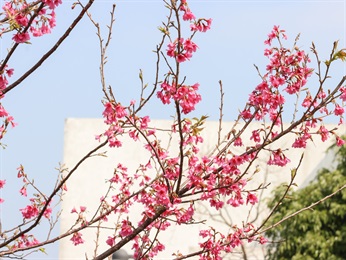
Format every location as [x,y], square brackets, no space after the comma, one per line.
[170,186]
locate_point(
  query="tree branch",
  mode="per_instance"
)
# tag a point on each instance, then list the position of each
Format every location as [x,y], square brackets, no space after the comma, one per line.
[51,51]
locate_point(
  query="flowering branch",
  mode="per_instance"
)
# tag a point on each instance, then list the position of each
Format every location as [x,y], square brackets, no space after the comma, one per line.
[50,52]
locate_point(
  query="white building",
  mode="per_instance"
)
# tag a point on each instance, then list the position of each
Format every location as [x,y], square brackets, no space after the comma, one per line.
[88,184]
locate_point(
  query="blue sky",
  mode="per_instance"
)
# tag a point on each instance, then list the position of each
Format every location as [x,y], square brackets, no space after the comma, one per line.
[68,84]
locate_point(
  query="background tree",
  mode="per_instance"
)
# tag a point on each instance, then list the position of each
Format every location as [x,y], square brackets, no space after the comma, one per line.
[319,233]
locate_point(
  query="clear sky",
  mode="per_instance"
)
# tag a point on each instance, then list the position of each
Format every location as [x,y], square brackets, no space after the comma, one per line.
[68,84]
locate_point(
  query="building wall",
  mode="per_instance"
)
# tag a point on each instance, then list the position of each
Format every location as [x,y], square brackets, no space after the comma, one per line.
[89,182]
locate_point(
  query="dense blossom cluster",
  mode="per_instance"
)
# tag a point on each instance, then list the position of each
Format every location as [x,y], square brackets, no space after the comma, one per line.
[186,96]
[168,187]
[219,179]
[25,18]
[209,177]
[287,69]
[287,72]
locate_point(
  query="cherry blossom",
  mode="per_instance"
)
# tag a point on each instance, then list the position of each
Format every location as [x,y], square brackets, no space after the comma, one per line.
[77,238]
[30,211]
[2,183]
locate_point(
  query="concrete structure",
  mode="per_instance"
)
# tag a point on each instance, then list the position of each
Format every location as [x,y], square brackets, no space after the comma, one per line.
[88,184]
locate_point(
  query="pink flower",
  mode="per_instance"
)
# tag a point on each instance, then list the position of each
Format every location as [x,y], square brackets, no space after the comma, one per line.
[113,112]
[274,33]
[2,183]
[252,198]
[20,170]
[52,3]
[188,15]
[110,241]
[343,93]
[278,158]
[29,211]
[217,204]
[263,240]
[339,111]
[114,142]
[120,111]
[52,21]
[9,72]
[307,101]
[201,25]
[36,32]
[3,82]
[22,191]
[21,37]
[45,29]
[339,141]
[299,143]
[144,122]
[190,46]
[238,142]
[9,120]
[182,50]
[33,242]
[248,227]
[255,136]
[126,229]
[3,112]
[324,133]
[47,213]
[134,135]
[22,19]
[181,58]
[246,114]
[276,81]
[171,49]
[187,216]
[77,239]
[188,97]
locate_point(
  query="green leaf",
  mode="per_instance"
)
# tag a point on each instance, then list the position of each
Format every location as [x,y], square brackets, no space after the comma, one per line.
[43,250]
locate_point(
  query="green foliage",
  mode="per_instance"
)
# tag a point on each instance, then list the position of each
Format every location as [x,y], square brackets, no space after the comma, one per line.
[316,234]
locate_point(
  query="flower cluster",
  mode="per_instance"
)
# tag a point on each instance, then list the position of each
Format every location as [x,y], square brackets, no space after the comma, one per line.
[180,49]
[77,238]
[278,158]
[36,203]
[286,69]
[216,243]
[186,96]
[25,241]
[19,14]
[201,25]
[113,113]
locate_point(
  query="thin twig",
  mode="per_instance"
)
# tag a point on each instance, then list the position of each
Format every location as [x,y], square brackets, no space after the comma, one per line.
[221,114]
[303,209]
